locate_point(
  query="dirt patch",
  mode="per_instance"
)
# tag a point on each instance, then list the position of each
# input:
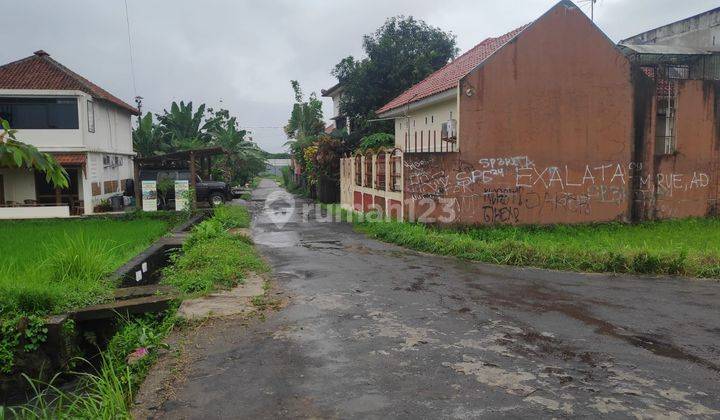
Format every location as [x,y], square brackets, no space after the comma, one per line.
[236,301]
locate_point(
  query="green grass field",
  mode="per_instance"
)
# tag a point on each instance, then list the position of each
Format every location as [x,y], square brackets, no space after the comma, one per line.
[53,265]
[689,247]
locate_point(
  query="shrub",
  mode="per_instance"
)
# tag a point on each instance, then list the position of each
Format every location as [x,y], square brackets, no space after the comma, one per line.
[376,141]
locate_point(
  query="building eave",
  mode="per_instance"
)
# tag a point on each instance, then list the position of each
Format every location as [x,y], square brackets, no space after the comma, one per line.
[422,103]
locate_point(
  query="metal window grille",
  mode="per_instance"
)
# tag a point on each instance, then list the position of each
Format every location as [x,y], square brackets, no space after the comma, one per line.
[368,171]
[358,171]
[396,171]
[380,171]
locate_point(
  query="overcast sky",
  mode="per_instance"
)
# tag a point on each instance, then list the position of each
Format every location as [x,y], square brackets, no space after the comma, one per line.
[241,54]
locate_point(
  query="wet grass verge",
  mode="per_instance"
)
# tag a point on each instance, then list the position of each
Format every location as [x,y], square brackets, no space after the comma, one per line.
[687,247]
[212,257]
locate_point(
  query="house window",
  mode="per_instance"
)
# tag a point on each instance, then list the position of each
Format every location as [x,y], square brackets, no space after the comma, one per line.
[665,138]
[91,116]
[40,113]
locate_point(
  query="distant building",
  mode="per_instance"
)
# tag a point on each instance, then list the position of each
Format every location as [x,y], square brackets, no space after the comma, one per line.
[553,123]
[274,166]
[336,92]
[87,130]
[702,30]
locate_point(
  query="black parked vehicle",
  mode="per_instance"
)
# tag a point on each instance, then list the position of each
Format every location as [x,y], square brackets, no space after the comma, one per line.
[214,192]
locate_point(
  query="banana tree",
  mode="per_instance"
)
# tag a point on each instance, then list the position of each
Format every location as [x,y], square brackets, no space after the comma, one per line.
[244,158]
[183,129]
[147,137]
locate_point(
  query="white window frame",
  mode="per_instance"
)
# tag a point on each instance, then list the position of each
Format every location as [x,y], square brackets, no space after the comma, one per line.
[91,116]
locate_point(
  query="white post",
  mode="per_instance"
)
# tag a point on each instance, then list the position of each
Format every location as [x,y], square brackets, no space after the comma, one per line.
[86,189]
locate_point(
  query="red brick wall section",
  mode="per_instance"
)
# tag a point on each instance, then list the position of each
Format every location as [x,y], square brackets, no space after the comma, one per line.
[395,209]
[545,133]
[380,203]
[357,201]
[367,202]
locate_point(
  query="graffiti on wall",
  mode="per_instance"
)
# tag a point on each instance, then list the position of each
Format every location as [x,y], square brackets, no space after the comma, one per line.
[502,188]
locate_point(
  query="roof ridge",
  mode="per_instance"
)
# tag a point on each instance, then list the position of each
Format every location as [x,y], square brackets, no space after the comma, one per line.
[76,81]
[18,61]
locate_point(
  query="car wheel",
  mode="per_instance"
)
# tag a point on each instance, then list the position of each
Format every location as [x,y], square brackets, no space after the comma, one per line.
[216,199]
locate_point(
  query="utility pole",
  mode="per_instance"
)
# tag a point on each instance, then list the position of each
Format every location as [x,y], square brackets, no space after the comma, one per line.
[592,10]
[138,101]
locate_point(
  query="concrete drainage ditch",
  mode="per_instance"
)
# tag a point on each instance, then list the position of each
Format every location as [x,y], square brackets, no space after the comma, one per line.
[138,293]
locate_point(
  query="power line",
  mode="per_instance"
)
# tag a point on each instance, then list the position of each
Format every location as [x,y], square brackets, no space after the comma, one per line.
[132,64]
[258,128]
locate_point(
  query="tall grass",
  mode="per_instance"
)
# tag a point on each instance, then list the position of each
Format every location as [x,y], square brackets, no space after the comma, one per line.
[104,394]
[689,247]
[55,265]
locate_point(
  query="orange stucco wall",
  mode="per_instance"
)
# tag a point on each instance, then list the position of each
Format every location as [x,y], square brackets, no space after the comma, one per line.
[685,184]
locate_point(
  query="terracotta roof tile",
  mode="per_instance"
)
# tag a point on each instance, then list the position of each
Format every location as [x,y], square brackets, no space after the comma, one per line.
[39,71]
[70,159]
[448,76]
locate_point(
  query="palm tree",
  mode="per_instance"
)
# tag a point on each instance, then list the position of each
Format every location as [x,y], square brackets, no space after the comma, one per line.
[243,153]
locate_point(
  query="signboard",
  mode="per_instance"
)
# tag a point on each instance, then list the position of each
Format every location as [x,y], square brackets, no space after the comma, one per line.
[182,195]
[149,195]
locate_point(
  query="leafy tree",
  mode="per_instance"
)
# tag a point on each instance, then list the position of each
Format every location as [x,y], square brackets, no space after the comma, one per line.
[305,124]
[401,53]
[306,118]
[147,137]
[14,153]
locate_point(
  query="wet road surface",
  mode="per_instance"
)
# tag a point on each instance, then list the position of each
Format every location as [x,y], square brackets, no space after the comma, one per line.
[372,330]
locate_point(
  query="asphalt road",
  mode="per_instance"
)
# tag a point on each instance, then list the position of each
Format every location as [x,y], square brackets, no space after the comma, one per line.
[372,330]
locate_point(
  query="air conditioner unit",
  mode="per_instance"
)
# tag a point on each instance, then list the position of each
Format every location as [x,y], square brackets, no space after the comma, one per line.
[449,130]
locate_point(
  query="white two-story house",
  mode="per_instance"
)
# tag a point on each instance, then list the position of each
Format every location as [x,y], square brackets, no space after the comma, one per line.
[84,127]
